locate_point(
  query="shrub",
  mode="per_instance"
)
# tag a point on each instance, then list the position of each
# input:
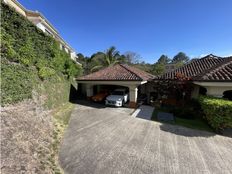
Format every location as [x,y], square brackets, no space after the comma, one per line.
[218,112]
[46,72]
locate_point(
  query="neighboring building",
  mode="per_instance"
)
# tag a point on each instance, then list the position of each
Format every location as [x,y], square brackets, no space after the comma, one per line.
[42,23]
[211,72]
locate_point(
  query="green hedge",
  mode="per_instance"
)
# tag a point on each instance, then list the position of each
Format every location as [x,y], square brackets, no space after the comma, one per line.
[27,55]
[218,112]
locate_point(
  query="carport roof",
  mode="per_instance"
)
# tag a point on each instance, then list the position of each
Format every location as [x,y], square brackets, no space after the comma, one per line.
[118,72]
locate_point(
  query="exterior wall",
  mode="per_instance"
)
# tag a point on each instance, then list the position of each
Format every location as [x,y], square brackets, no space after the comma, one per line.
[18,7]
[215,88]
[217,91]
[66,50]
[41,26]
[39,22]
[73,55]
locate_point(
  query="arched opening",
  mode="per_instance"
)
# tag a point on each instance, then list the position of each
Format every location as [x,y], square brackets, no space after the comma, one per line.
[202,91]
[227,95]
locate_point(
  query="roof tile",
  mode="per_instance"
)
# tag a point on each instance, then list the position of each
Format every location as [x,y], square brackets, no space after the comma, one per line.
[208,68]
[118,72]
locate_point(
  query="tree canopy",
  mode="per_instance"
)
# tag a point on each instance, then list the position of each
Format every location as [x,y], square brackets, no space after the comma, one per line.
[180,58]
[108,58]
[112,56]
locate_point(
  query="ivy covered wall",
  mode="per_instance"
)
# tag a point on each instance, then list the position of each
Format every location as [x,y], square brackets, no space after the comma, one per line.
[29,58]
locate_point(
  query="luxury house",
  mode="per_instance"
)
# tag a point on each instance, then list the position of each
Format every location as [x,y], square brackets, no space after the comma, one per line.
[210,75]
[42,23]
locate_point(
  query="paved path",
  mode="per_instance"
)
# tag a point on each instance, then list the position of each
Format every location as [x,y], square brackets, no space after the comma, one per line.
[109,140]
[144,112]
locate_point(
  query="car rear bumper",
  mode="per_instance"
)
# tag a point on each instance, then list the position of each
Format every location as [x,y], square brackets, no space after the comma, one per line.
[113,103]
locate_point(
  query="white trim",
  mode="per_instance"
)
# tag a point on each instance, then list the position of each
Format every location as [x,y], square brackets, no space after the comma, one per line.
[224,84]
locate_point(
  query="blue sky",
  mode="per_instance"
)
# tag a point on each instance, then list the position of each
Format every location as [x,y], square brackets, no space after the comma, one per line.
[147,27]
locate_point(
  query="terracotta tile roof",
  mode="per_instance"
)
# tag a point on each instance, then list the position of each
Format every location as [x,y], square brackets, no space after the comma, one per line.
[208,68]
[118,72]
[221,72]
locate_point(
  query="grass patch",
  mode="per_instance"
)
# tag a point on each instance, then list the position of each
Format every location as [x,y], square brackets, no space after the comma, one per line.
[196,123]
[60,120]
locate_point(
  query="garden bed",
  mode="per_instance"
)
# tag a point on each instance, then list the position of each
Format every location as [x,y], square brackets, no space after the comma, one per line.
[194,123]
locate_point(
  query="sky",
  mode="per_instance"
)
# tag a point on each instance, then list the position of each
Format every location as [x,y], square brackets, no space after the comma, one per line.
[147,27]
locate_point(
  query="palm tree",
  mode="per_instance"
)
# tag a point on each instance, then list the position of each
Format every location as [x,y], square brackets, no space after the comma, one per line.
[110,57]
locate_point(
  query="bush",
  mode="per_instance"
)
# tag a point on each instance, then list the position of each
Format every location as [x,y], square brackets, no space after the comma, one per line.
[218,112]
[46,72]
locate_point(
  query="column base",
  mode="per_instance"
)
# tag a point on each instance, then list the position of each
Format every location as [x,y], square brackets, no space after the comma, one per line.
[132,104]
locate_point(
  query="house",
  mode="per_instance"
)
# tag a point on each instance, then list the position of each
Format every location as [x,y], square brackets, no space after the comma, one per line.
[119,75]
[211,74]
[42,23]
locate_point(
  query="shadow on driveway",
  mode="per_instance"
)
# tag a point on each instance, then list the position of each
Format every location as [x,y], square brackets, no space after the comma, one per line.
[187,132]
[89,104]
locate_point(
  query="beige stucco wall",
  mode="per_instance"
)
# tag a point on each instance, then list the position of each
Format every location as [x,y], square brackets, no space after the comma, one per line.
[16,6]
[217,91]
[214,88]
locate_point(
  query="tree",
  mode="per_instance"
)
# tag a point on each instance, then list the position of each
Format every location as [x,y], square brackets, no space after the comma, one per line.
[159,66]
[158,69]
[163,59]
[110,57]
[132,57]
[180,58]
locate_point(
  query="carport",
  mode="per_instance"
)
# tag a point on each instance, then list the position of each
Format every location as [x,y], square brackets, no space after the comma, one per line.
[119,74]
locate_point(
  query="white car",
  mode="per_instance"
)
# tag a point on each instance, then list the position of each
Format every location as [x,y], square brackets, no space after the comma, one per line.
[118,98]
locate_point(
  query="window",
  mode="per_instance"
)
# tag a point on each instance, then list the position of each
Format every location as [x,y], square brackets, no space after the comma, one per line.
[48,32]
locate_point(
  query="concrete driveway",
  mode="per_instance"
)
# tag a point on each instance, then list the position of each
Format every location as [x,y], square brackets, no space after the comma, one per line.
[108,140]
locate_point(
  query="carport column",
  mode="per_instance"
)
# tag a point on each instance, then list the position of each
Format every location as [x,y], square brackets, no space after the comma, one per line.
[133,96]
[89,91]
